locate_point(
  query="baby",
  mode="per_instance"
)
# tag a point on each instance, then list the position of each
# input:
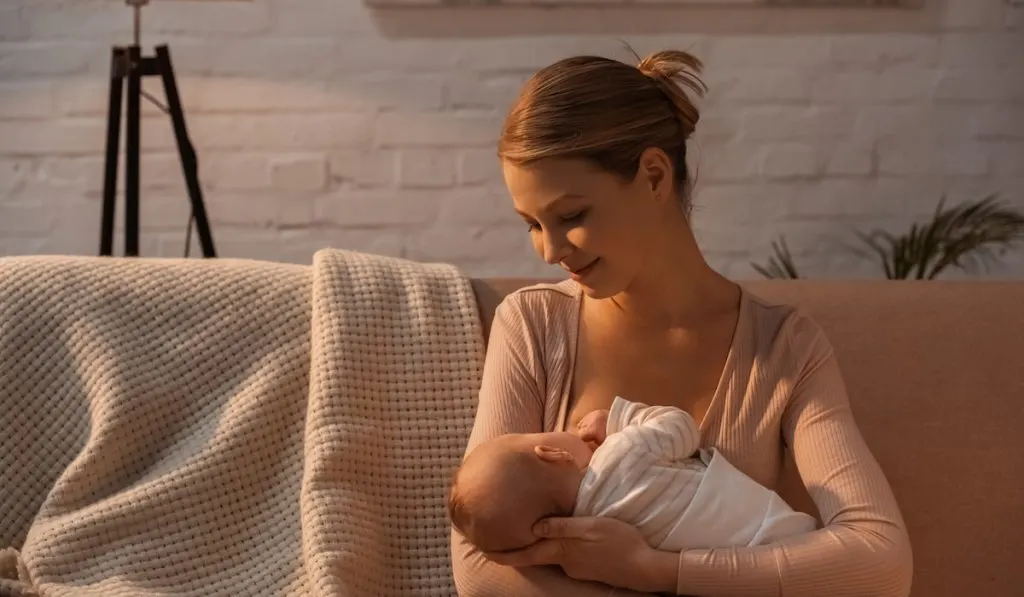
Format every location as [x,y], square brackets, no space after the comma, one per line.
[646,470]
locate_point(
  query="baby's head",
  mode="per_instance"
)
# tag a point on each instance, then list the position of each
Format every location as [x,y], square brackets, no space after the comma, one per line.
[507,484]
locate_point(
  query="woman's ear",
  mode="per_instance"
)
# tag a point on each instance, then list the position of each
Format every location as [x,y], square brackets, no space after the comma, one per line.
[655,170]
[552,454]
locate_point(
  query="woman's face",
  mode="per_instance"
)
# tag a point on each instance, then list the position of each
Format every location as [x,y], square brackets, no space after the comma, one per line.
[599,228]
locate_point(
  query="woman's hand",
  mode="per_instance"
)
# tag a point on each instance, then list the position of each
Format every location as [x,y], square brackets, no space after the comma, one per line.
[597,549]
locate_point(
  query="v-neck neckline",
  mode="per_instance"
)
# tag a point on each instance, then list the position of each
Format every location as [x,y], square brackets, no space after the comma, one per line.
[738,333]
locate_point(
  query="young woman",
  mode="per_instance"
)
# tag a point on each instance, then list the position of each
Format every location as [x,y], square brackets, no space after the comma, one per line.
[594,156]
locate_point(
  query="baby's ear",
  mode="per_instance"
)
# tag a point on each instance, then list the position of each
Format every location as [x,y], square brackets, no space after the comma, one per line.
[552,454]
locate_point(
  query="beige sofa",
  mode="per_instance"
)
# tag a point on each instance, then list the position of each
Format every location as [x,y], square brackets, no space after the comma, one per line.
[932,368]
[935,371]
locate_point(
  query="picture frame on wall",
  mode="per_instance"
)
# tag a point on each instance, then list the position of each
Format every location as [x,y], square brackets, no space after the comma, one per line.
[656,3]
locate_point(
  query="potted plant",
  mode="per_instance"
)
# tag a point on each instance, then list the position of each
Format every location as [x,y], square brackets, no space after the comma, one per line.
[963,236]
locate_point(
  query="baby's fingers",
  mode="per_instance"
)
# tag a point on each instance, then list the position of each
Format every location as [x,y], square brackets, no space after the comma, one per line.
[590,432]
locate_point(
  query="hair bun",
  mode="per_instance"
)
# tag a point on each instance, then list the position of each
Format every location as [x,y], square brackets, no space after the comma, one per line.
[671,70]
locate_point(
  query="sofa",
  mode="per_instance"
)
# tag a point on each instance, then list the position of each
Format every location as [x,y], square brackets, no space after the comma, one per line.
[219,427]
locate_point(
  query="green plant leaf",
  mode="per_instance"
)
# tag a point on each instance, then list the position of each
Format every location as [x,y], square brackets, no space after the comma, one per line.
[876,242]
[780,265]
[976,232]
[968,236]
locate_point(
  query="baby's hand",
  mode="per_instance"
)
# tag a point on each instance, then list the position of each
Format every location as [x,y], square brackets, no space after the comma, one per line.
[593,427]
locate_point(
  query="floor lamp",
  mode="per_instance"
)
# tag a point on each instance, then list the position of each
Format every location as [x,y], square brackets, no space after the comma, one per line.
[128,65]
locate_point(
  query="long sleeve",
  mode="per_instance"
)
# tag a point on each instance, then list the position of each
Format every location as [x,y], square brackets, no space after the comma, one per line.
[863,549]
[512,401]
[664,430]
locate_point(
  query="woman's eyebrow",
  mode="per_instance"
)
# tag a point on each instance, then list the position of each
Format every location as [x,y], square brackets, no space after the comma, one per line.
[560,199]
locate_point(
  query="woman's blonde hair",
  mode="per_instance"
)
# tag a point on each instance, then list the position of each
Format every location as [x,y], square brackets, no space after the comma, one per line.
[607,112]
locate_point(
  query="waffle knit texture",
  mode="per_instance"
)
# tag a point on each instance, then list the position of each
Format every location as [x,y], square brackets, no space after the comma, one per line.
[231,427]
[781,386]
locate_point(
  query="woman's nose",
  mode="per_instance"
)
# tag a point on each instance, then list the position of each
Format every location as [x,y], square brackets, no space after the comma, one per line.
[556,248]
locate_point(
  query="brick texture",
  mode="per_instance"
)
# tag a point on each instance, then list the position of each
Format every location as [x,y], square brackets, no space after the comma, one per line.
[334,124]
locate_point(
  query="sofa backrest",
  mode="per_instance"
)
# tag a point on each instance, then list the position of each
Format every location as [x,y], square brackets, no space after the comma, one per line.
[935,372]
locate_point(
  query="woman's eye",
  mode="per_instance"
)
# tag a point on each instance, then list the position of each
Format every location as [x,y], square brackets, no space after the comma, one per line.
[574,218]
[571,219]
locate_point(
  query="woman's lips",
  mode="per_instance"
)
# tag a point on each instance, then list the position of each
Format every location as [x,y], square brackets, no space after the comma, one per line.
[582,272]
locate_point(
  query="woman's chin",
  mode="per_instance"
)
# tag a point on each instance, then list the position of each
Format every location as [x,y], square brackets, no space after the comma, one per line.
[599,287]
[594,292]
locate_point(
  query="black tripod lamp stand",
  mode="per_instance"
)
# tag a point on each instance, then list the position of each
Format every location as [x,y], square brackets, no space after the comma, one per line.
[128,64]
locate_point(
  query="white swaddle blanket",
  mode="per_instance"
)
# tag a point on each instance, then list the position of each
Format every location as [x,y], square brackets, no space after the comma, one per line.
[648,472]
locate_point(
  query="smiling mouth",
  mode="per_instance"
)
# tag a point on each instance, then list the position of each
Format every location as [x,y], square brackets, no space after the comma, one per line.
[583,270]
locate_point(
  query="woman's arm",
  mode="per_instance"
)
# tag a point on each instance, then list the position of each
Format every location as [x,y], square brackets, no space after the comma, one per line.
[511,401]
[863,549]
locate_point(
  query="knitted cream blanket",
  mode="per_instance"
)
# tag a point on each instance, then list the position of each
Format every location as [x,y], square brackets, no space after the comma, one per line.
[227,427]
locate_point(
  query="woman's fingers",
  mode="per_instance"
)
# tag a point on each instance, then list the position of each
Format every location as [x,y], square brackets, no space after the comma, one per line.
[555,534]
[599,549]
[542,553]
[580,527]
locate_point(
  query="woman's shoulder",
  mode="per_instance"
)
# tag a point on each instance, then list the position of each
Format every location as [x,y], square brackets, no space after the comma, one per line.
[555,290]
[542,302]
[786,332]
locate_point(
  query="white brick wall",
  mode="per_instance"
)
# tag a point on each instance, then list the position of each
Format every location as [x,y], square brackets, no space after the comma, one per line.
[325,123]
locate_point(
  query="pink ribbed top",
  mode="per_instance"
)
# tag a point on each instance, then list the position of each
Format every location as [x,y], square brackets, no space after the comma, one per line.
[781,386]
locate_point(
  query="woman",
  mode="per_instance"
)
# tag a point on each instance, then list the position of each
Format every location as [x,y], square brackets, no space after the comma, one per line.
[594,156]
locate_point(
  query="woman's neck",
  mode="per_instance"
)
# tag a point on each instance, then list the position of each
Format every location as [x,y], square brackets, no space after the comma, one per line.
[678,290]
